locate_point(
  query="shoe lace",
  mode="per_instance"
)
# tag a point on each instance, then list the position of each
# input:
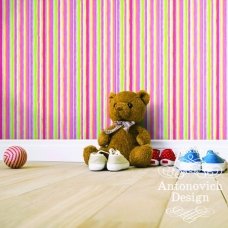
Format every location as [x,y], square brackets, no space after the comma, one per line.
[113,151]
[102,152]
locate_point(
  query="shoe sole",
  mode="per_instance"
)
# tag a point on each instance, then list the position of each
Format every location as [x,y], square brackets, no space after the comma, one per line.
[214,168]
[166,162]
[156,162]
[96,167]
[189,167]
[117,167]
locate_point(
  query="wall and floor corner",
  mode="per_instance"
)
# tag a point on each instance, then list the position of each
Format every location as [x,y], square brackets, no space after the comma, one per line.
[60,59]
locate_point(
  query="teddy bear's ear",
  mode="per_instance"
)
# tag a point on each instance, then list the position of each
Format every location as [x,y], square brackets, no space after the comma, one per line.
[144,96]
[111,95]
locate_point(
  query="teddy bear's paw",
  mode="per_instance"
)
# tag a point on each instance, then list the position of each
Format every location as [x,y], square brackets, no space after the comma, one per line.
[140,156]
[87,151]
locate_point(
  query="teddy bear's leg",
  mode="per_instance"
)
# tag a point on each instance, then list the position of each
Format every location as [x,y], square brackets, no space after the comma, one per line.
[87,151]
[140,156]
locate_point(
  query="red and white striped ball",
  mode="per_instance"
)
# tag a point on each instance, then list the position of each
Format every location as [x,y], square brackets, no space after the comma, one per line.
[15,157]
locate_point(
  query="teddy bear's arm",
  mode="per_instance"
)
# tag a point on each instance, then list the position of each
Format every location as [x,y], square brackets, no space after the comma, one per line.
[143,136]
[104,139]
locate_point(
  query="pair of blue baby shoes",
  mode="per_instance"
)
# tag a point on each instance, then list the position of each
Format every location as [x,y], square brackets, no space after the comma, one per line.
[211,163]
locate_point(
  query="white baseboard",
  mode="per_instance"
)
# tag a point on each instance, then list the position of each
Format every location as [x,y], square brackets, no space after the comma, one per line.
[72,150]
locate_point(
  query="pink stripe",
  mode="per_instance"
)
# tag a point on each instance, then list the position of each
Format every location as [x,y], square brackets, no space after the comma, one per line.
[190,74]
[225,67]
[44,69]
[28,69]
[137,45]
[161,115]
[108,55]
[87,67]
[102,63]
[204,72]
[7,70]
[169,73]
[39,76]
[51,93]
[1,87]
[114,49]
[65,61]
[201,70]
[72,72]
[130,42]
[94,102]
[82,63]
[217,69]
[117,66]
[59,67]
[195,73]
[174,70]
[152,69]
[125,46]
[15,73]
[182,76]
[158,110]
[22,71]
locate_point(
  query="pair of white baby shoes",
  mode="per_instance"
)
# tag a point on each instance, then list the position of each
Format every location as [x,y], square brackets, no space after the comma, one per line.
[115,162]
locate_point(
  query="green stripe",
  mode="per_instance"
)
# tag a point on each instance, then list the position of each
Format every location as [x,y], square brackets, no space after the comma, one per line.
[98,66]
[165,70]
[12,70]
[142,43]
[35,70]
[78,20]
[122,45]
[55,70]
[186,69]
[209,74]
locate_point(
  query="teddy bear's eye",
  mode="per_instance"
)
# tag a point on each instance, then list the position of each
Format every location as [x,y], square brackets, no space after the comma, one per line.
[130,105]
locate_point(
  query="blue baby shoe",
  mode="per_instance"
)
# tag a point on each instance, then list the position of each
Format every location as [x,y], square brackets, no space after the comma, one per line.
[189,162]
[213,163]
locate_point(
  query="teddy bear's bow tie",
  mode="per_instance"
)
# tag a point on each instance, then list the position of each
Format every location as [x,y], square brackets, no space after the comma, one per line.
[118,124]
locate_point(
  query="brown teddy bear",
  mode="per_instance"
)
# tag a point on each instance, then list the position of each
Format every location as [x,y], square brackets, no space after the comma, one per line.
[126,110]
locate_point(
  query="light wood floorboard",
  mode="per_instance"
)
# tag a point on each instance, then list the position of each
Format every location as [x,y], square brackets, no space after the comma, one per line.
[55,194]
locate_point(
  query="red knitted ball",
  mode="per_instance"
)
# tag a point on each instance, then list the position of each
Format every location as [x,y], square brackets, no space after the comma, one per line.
[15,157]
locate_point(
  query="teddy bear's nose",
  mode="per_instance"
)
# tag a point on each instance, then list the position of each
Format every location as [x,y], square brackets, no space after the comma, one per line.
[119,107]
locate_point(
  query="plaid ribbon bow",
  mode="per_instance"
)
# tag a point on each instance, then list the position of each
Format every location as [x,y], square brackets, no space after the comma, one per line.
[118,124]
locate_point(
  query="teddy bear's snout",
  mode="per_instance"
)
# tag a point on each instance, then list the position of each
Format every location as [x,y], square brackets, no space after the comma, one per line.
[119,106]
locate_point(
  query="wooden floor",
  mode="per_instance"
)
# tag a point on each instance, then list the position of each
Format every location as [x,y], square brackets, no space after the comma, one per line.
[69,195]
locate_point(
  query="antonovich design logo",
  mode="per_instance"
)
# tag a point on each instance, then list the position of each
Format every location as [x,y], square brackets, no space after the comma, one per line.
[190,215]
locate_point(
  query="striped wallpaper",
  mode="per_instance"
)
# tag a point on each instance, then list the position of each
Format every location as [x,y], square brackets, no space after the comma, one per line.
[59,60]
